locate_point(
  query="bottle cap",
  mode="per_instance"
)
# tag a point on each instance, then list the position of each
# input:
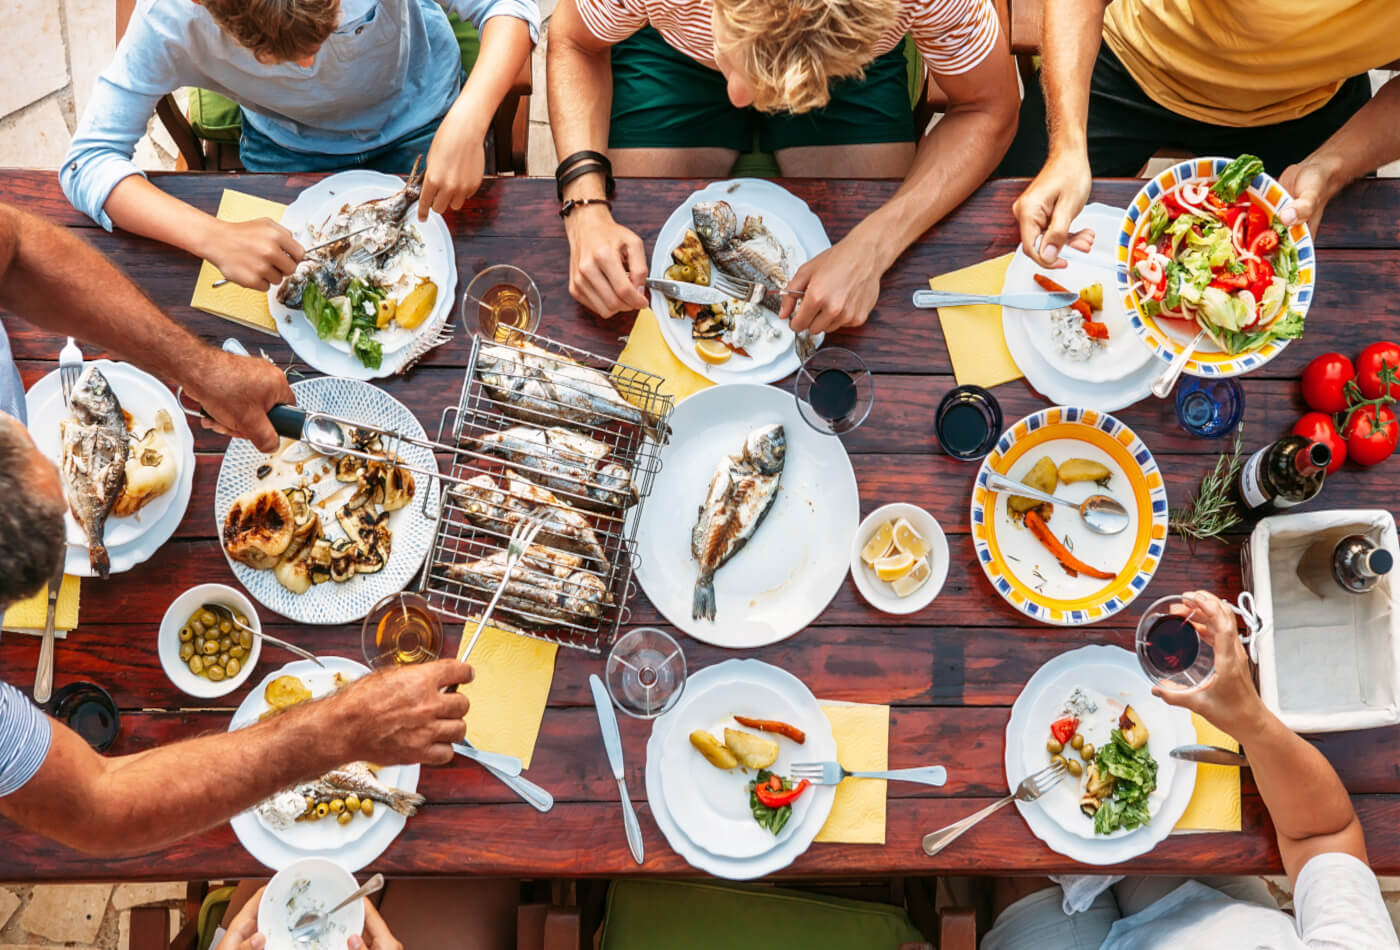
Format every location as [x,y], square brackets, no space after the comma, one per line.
[1380,561]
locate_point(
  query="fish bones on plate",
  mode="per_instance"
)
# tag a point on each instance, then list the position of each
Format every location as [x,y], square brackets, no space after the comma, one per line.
[547,585]
[357,778]
[565,461]
[538,386]
[742,491]
[94,455]
[501,510]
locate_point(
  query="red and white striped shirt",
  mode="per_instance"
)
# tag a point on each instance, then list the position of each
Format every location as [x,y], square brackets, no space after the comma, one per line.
[952,36]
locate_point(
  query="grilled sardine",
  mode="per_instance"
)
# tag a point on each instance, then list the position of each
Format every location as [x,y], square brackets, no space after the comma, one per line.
[565,461]
[499,511]
[741,493]
[545,586]
[357,777]
[95,450]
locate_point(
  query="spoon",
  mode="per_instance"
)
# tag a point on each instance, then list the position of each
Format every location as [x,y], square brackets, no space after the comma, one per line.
[320,432]
[225,613]
[310,926]
[1162,387]
[1102,514]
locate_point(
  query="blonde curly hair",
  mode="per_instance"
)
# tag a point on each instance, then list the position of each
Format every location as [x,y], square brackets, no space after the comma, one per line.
[276,31]
[791,50]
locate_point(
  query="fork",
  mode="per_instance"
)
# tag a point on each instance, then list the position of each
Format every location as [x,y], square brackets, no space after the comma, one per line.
[520,540]
[753,292]
[1032,787]
[831,773]
[70,367]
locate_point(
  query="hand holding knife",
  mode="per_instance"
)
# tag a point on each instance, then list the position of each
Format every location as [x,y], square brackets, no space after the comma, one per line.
[612,741]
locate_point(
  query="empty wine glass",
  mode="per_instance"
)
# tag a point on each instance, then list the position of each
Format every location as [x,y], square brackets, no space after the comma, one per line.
[506,301]
[834,390]
[645,672]
[1207,407]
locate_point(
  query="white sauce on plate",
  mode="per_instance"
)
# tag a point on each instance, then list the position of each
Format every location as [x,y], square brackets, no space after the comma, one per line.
[752,324]
[1068,336]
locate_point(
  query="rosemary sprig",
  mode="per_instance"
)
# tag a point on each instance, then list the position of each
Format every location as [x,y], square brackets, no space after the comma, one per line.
[1212,511]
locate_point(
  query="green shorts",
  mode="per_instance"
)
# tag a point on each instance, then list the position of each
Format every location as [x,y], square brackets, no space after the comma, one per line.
[664,99]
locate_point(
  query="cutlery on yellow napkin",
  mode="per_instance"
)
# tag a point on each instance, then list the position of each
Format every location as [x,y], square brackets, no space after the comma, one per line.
[1215,804]
[976,343]
[862,745]
[232,302]
[646,350]
[509,690]
[30,614]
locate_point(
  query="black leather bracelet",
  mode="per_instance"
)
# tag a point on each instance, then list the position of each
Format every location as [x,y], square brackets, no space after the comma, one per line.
[587,168]
[579,156]
[568,207]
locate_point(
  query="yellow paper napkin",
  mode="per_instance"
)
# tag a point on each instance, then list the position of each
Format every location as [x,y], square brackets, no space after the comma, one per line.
[646,350]
[975,340]
[31,613]
[862,745]
[509,690]
[232,302]
[1215,805]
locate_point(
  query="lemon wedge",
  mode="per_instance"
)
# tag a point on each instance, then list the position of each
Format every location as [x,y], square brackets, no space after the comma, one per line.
[713,352]
[908,540]
[912,581]
[892,568]
[879,544]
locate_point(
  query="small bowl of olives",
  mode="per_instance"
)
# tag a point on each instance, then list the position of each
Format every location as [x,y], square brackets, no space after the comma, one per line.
[206,655]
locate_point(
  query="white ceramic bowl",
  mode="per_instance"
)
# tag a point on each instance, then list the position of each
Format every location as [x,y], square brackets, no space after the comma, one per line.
[313,885]
[168,639]
[876,592]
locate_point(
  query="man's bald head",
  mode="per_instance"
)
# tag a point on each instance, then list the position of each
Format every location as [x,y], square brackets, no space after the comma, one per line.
[32,534]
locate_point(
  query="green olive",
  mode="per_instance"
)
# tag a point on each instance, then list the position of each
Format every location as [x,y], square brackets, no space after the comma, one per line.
[1077,742]
[245,639]
[345,817]
[1087,753]
[233,666]
[367,807]
[207,618]
[210,648]
[337,806]
[186,651]
[196,665]
[1054,747]
[237,652]
[1059,760]
[1074,767]
[215,672]
[352,802]
[186,634]
[197,627]
[225,626]
[310,804]
[225,644]
[241,619]
[322,809]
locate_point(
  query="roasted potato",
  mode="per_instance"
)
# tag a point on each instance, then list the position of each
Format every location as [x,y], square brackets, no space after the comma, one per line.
[1093,296]
[286,692]
[414,308]
[1134,731]
[713,750]
[1083,470]
[753,752]
[1100,783]
[1041,477]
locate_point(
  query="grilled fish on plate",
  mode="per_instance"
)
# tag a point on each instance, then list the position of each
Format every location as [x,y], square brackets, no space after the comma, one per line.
[501,510]
[357,777]
[95,448]
[565,461]
[742,491]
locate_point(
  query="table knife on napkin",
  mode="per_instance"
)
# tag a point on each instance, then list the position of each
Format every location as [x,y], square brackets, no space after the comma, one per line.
[928,299]
[1210,754]
[612,741]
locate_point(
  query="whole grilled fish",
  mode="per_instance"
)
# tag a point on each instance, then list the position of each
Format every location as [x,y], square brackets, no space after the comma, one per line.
[749,253]
[357,777]
[545,586]
[565,461]
[741,492]
[487,506]
[95,449]
[538,386]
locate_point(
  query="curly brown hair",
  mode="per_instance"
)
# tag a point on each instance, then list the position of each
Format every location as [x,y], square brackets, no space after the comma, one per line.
[32,535]
[276,30]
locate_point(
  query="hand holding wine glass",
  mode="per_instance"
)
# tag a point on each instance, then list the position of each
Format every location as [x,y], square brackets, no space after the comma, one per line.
[1227,697]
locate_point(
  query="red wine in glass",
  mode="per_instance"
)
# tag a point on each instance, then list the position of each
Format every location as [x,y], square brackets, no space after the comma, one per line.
[1168,648]
[833,394]
[1172,645]
[968,422]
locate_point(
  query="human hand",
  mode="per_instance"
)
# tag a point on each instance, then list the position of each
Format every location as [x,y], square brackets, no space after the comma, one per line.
[1048,206]
[1312,184]
[837,288]
[401,716]
[607,262]
[255,254]
[376,934]
[1227,697]
[237,391]
[242,933]
[456,164]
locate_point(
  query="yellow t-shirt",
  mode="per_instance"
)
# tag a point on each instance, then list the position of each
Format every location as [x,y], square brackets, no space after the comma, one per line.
[1250,62]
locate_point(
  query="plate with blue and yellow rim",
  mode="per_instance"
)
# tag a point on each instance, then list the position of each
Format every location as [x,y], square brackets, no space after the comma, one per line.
[1025,572]
[1166,338]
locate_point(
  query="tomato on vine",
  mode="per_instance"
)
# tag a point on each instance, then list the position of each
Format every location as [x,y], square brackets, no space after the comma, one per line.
[1378,370]
[1325,382]
[1371,432]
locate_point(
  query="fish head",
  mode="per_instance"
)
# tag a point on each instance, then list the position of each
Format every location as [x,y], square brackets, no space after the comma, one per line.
[715,223]
[766,448]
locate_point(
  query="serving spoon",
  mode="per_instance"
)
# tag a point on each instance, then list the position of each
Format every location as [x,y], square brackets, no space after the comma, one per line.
[224,613]
[309,925]
[1102,514]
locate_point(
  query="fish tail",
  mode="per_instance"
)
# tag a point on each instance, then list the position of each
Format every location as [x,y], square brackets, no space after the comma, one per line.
[97,557]
[405,803]
[704,603]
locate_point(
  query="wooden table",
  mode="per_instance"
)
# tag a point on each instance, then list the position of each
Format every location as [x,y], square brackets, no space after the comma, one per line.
[949,672]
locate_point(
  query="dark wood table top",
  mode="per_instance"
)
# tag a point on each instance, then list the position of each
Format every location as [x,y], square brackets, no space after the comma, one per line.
[949,672]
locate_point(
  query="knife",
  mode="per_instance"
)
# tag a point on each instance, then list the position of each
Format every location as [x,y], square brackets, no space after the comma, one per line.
[688,293]
[1210,754]
[43,676]
[612,741]
[925,299]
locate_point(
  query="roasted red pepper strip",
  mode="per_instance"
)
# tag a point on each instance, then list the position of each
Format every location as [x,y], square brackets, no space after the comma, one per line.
[772,725]
[1068,561]
[1096,330]
[1050,285]
[1063,730]
[772,799]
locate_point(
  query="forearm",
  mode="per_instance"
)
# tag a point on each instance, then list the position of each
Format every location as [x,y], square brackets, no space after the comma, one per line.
[1370,139]
[1070,35]
[505,46]
[580,98]
[140,207]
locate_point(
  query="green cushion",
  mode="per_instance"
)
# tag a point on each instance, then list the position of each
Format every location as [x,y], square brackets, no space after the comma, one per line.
[684,915]
[467,39]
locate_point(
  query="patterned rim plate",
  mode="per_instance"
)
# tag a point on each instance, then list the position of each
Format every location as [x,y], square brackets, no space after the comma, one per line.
[1166,343]
[1022,570]
[412,530]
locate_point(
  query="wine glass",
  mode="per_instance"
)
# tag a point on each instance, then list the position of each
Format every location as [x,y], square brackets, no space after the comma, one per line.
[645,672]
[1170,650]
[968,422]
[834,390]
[507,304]
[400,630]
[1209,408]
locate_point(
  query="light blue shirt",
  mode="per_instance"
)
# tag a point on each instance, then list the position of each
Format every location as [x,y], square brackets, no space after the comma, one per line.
[390,68]
[24,739]
[11,386]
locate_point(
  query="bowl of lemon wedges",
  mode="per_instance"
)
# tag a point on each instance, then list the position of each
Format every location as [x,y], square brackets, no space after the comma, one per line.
[899,558]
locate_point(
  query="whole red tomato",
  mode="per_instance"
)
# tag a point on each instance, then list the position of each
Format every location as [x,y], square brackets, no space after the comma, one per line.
[1371,434]
[1319,427]
[1369,368]
[1325,380]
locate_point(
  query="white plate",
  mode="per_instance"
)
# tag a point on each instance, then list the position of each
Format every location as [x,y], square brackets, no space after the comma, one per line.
[353,845]
[664,734]
[133,539]
[878,593]
[712,806]
[1055,818]
[795,227]
[312,207]
[796,560]
[412,530]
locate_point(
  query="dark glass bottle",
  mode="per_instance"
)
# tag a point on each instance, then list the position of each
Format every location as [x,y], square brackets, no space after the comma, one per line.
[1354,564]
[1279,476]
